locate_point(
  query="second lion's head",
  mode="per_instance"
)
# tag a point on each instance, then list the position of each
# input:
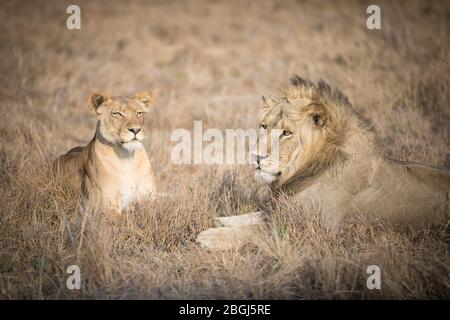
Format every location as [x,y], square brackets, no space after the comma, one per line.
[302,131]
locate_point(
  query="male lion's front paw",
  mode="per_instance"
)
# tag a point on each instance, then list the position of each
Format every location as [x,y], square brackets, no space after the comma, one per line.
[254,218]
[222,239]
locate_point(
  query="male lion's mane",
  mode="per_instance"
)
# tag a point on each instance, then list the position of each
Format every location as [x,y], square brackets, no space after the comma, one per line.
[332,150]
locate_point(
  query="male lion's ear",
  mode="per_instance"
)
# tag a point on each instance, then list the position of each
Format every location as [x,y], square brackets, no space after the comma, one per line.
[97,99]
[146,98]
[267,102]
[319,117]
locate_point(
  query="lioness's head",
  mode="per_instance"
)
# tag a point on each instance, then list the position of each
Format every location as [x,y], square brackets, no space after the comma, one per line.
[301,131]
[121,119]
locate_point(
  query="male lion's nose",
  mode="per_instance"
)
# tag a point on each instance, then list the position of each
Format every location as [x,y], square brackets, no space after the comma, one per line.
[134,130]
[259,158]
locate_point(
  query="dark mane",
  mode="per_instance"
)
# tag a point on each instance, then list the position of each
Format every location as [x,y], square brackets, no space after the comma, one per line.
[322,88]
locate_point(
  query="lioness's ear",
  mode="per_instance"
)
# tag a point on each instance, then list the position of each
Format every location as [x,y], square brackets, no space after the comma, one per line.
[267,103]
[97,99]
[146,99]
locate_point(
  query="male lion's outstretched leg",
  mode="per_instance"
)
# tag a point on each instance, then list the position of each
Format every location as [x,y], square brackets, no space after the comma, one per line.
[227,238]
[253,218]
[232,232]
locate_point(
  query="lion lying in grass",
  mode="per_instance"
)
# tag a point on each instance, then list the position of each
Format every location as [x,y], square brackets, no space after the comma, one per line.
[330,159]
[113,170]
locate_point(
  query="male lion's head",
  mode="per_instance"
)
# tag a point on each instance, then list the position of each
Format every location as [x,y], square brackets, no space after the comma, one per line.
[301,132]
[121,119]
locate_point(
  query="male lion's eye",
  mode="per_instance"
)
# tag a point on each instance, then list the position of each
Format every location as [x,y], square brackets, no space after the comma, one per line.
[286,133]
[140,114]
[117,114]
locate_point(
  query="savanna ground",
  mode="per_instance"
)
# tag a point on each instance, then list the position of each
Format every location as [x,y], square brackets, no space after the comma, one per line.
[211,61]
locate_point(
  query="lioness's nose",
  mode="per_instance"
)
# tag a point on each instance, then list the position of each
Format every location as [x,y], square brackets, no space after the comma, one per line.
[134,130]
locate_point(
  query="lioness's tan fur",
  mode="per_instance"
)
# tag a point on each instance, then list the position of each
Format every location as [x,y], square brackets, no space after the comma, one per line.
[113,169]
[329,158]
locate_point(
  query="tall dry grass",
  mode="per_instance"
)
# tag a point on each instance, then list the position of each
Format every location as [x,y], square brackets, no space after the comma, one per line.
[211,61]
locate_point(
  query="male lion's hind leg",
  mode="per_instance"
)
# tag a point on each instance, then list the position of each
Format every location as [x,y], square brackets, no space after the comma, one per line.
[232,232]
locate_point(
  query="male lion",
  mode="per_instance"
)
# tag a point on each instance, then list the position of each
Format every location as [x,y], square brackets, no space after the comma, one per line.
[113,169]
[329,158]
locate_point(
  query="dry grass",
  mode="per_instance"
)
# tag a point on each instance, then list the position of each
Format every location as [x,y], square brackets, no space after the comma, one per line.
[210,61]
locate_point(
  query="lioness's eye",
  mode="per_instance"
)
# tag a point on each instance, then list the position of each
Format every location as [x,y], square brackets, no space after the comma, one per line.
[117,114]
[263,126]
[286,133]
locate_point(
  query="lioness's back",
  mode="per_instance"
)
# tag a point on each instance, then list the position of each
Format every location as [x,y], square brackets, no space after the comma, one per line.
[68,166]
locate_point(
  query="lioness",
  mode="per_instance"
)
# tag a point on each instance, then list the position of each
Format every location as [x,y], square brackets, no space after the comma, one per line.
[113,169]
[330,160]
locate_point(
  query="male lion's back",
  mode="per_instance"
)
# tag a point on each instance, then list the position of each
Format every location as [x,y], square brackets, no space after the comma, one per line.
[422,189]
[435,177]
